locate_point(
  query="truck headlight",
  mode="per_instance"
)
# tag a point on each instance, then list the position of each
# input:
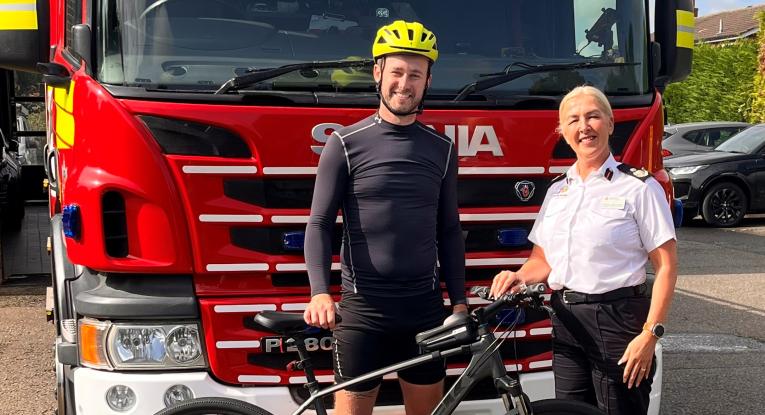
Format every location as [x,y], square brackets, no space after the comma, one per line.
[125,346]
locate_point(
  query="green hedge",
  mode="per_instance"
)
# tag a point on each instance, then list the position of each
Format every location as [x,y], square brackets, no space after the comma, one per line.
[756,113]
[719,87]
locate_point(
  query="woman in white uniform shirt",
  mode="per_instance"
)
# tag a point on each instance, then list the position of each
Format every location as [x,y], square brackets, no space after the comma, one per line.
[599,225]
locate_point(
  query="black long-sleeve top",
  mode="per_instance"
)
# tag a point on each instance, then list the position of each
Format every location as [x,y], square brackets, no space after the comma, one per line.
[397,189]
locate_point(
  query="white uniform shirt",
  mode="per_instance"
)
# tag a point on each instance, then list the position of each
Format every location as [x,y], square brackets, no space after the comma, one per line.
[596,234]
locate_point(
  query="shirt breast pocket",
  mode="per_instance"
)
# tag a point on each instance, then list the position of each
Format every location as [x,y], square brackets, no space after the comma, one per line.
[610,226]
[610,213]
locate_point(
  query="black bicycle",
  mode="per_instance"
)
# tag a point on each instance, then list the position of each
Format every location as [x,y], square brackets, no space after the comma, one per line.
[460,334]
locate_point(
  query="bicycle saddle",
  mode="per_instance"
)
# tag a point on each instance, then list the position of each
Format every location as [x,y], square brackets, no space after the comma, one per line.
[280,322]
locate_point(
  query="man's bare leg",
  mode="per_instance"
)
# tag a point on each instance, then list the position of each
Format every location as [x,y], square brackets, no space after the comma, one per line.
[355,403]
[421,399]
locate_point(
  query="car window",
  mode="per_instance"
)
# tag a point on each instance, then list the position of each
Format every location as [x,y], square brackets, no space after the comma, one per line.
[692,136]
[709,137]
[725,133]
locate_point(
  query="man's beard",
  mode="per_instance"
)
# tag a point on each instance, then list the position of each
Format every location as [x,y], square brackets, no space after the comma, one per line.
[401,110]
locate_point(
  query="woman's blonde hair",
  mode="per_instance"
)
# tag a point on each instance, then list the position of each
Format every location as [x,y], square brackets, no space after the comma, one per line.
[599,96]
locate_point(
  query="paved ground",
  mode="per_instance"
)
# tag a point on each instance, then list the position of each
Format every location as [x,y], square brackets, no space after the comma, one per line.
[715,355]
[714,359]
[27,378]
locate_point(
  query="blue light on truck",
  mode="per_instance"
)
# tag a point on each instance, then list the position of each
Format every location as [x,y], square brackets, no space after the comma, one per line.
[293,241]
[72,221]
[512,237]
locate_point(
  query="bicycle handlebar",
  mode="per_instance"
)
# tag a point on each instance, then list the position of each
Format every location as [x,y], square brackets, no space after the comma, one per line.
[527,292]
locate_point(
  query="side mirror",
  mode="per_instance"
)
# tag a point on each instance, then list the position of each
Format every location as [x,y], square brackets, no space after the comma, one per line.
[674,31]
[54,74]
[81,43]
[24,40]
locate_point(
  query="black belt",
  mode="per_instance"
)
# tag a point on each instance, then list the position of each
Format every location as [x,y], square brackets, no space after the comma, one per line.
[575,297]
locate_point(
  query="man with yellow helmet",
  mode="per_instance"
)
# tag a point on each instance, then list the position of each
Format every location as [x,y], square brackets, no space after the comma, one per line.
[402,39]
[395,181]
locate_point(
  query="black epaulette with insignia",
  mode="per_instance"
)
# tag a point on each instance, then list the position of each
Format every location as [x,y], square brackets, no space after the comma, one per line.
[558,178]
[635,172]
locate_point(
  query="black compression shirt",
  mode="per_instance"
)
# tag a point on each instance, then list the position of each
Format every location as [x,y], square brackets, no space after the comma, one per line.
[397,188]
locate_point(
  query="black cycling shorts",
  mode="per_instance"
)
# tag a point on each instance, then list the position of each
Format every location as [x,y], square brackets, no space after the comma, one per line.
[376,332]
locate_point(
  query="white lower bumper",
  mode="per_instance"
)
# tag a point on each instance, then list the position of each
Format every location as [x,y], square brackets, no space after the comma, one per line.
[91,386]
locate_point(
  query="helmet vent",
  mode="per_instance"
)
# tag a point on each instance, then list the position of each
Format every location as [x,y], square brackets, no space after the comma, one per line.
[410,32]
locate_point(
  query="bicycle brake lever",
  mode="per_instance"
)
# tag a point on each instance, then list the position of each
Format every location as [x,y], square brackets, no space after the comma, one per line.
[549,309]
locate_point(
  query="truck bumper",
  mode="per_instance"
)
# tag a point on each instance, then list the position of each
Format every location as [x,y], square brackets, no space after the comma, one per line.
[91,387]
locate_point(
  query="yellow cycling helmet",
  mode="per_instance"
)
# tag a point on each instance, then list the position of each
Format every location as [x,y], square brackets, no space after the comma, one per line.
[405,37]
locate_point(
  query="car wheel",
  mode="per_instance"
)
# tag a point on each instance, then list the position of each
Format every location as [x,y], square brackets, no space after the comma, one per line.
[724,205]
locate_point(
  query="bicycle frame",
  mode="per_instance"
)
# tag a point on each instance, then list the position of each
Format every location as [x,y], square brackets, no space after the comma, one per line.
[486,361]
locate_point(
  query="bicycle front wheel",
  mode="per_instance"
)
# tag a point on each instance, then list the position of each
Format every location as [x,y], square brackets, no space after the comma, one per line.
[214,406]
[564,407]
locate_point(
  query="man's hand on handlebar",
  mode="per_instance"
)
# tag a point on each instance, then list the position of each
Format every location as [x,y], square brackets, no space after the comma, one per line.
[320,312]
[505,281]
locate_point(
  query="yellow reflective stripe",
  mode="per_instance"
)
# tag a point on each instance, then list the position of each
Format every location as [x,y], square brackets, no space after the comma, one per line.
[18,15]
[18,20]
[64,130]
[64,100]
[686,24]
[685,18]
[685,40]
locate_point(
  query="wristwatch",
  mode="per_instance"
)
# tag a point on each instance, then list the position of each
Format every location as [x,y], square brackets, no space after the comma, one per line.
[657,329]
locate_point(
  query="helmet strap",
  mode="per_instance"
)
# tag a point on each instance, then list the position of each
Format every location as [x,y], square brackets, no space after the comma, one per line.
[420,107]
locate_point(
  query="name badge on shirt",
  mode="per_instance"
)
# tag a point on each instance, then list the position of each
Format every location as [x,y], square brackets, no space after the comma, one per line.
[612,202]
[563,191]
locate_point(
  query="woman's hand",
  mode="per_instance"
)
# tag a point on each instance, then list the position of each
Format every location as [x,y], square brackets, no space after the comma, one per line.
[503,282]
[638,356]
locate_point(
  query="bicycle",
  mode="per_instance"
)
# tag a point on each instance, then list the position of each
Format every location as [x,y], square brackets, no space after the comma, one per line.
[460,333]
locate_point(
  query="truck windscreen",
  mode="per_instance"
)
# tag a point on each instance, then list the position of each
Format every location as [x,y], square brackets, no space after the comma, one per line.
[200,44]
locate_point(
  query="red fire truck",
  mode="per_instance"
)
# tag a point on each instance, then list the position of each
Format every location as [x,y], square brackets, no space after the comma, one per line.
[183,139]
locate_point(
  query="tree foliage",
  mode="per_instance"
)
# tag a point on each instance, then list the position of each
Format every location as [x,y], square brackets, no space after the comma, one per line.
[719,87]
[756,112]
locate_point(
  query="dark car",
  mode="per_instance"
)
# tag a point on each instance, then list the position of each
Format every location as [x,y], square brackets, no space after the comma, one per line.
[696,137]
[723,184]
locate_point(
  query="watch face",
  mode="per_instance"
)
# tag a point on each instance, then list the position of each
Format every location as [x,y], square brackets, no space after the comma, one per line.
[658,330]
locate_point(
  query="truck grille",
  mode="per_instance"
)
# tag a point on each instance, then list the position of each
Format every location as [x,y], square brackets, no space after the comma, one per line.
[297,193]
[237,354]
[478,238]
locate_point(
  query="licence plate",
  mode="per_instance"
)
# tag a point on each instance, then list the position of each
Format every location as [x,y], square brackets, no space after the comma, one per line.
[281,344]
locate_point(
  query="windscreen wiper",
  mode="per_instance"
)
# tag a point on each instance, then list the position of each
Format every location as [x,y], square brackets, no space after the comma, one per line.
[261,75]
[503,77]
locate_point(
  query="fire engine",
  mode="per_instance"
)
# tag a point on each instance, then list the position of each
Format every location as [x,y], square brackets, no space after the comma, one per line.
[183,139]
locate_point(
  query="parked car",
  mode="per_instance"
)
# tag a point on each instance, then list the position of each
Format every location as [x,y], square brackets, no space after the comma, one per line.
[696,137]
[723,184]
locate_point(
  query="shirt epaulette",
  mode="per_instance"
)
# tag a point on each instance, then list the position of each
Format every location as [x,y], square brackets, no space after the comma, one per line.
[641,174]
[558,178]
